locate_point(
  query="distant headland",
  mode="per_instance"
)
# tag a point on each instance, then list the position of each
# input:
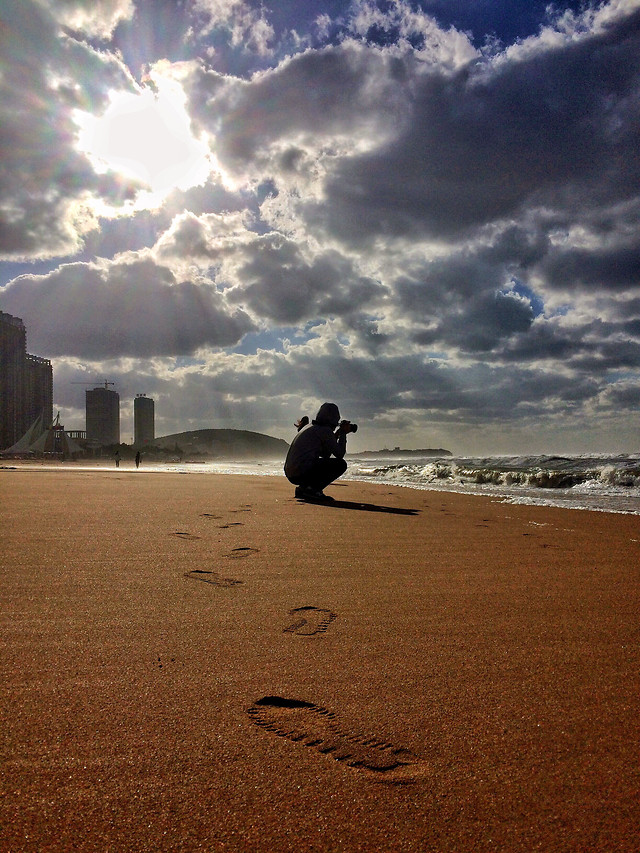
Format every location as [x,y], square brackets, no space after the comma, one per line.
[224,444]
[397,451]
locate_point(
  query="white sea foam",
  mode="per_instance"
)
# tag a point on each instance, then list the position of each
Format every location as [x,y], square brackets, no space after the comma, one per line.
[605,483]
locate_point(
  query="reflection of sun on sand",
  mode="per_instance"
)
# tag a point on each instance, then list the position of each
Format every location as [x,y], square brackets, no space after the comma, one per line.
[478,651]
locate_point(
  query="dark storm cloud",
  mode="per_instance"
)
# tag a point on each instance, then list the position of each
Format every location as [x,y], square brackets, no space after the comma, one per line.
[477,273]
[471,300]
[612,268]
[313,96]
[366,334]
[623,397]
[559,127]
[446,282]
[409,384]
[614,355]
[545,341]
[272,277]
[485,321]
[134,308]
[278,283]
[590,348]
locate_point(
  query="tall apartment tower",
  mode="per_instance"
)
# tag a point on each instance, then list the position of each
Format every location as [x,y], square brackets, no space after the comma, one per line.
[143,420]
[38,390]
[26,383]
[103,416]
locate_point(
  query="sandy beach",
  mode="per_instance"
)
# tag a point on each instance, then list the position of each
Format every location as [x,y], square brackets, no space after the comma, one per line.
[201,662]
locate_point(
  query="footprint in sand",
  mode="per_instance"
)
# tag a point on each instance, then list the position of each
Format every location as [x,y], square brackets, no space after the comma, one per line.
[211,577]
[183,535]
[243,551]
[316,727]
[231,524]
[312,620]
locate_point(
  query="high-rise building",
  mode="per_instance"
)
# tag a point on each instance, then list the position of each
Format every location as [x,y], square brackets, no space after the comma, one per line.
[26,383]
[143,420]
[39,389]
[103,416]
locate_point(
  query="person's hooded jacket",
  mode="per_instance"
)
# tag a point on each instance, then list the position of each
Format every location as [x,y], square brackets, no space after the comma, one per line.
[316,441]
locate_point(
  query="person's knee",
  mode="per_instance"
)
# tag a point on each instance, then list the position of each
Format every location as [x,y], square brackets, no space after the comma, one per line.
[342,466]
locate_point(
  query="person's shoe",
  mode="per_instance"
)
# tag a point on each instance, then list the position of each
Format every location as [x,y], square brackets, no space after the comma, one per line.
[303,493]
[306,493]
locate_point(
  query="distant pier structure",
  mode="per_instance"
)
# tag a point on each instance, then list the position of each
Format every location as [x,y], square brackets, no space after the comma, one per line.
[103,416]
[143,420]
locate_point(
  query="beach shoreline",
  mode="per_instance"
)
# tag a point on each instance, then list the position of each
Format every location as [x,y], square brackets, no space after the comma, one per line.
[205,663]
[607,488]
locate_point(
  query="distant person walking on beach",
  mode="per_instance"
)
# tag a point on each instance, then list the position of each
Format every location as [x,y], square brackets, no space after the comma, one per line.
[117,458]
[138,457]
[309,464]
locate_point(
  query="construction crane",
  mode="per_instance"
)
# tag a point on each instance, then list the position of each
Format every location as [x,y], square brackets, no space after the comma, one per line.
[94,383]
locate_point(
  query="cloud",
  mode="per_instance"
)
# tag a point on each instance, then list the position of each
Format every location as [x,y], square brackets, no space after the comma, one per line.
[406,387]
[48,188]
[408,28]
[247,27]
[204,239]
[94,17]
[612,266]
[277,282]
[556,129]
[273,278]
[130,307]
[352,100]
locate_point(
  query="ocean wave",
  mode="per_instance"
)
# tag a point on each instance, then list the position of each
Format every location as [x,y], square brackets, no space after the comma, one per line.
[574,481]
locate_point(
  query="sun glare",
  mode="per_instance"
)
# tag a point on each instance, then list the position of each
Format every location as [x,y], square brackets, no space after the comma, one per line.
[146,136]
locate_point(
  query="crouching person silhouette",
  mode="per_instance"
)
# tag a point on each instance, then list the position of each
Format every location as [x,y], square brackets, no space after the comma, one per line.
[316,454]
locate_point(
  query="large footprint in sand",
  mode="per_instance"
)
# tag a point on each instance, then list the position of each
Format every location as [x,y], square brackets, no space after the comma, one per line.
[310,621]
[316,727]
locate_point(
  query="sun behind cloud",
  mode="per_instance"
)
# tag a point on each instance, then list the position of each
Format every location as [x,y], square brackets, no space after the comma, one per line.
[146,136]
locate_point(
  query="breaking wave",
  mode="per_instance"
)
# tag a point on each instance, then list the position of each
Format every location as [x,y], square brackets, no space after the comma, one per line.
[610,483]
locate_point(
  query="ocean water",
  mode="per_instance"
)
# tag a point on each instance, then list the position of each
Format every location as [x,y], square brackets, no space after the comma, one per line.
[600,483]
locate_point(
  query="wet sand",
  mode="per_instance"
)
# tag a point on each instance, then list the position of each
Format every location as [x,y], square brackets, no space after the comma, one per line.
[201,662]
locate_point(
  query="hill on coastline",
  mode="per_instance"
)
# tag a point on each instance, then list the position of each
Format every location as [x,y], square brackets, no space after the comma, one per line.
[227,444]
[432,451]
